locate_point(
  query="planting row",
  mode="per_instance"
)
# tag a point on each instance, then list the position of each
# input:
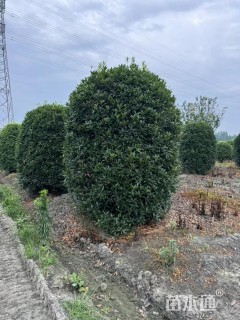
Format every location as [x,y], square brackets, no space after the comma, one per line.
[115,147]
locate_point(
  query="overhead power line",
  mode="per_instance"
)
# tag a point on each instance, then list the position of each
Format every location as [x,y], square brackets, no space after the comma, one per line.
[62,33]
[99,49]
[28,42]
[59,66]
[123,42]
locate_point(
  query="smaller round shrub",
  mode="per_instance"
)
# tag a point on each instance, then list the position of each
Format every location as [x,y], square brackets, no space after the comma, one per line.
[237,150]
[8,139]
[198,148]
[224,151]
[40,149]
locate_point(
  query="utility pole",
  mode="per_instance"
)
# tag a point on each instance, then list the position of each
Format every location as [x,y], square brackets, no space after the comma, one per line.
[6,107]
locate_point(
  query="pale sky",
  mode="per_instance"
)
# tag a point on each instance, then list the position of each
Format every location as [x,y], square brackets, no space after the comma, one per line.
[192,44]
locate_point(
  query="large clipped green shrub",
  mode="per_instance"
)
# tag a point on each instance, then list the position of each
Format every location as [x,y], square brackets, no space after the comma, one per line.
[121,147]
[224,151]
[40,149]
[8,139]
[198,148]
[237,150]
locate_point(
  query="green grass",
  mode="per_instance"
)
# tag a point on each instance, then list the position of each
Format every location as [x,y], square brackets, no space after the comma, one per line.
[168,254]
[11,202]
[81,309]
[30,236]
[27,228]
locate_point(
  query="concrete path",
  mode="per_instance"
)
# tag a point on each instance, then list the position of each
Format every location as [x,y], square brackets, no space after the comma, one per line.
[19,300]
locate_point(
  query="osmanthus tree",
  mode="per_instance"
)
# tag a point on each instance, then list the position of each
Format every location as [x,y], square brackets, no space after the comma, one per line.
[8,140]
[121,147]
[40,149]
[198,148]
[204,109]
[224,151]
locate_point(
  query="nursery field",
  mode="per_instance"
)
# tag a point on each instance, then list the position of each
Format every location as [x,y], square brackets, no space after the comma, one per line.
[194,252]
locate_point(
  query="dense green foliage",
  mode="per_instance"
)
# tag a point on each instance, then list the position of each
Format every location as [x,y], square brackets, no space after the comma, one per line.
[198,148]
[8,139]
[237,150]
[40,149]
[224,151]
[224,136]
[122,147]
[204,109]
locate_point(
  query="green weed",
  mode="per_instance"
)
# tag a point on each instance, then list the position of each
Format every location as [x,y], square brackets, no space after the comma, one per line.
[11,202]
[77,282]
[44,219]
[46,257]
[168,254]
[191,237]
[81,309]
[30,250]
[205,247]
[173,225]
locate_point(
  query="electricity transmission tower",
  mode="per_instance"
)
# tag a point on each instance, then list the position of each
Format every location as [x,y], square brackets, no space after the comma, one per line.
[6,107]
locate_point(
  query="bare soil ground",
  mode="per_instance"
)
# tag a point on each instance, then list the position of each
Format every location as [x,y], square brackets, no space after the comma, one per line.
[127,277]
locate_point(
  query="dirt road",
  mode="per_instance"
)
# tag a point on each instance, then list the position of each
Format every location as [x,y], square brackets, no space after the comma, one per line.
[19,300]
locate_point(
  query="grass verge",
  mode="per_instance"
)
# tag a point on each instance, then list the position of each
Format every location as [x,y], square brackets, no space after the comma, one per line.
[27,229]
[30,236]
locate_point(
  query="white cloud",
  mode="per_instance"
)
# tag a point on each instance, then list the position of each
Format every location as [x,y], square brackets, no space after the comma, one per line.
[183,41]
